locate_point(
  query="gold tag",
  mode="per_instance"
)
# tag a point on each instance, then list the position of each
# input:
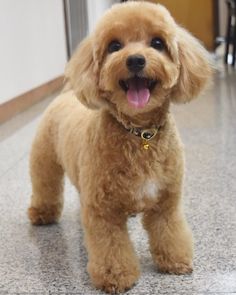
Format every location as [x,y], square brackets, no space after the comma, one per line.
[146,145]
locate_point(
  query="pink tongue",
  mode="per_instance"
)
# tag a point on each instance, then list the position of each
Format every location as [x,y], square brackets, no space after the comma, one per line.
[138,95]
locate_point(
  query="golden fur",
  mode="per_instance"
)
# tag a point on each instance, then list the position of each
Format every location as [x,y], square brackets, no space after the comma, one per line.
[83,134]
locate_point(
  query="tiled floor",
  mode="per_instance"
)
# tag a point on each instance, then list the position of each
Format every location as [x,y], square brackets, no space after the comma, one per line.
[52,259]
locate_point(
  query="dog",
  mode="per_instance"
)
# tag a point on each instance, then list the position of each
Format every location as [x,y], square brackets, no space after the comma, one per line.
[112,133]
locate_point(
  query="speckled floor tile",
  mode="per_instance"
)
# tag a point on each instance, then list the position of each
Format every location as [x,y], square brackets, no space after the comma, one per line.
[52,259]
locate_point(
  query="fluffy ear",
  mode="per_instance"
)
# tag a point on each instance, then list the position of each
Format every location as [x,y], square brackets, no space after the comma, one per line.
[82,74]
[195,67]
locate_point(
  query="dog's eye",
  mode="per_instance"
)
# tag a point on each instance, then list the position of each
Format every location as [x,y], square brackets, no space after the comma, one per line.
[158,44]
[114,46]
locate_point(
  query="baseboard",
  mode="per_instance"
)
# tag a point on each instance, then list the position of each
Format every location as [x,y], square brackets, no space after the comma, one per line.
[20,103]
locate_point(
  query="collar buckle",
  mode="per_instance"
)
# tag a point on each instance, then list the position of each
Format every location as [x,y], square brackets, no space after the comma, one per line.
[145,134]
[148,134]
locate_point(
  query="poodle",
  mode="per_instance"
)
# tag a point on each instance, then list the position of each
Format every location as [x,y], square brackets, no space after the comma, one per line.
[111,132]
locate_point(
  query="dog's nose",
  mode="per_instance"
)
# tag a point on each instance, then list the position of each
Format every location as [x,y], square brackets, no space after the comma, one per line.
[135,63]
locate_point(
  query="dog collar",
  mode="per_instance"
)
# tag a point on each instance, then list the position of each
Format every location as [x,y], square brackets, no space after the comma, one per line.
[145,134]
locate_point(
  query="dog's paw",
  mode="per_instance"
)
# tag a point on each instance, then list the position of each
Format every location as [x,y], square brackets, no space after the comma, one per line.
[43,216]
[174,267]
[112,279]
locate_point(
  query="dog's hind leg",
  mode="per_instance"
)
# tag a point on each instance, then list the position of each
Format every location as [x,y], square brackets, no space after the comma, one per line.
[47,178]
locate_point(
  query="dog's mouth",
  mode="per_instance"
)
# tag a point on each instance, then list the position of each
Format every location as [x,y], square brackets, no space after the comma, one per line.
[138,90]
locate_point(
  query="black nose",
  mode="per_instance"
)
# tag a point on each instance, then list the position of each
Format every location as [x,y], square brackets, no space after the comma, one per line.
[135,63]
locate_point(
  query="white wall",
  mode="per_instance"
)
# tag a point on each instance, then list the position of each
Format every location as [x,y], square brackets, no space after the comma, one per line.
[32,44]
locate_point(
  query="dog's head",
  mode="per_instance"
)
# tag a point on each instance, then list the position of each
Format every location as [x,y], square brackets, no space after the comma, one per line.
[137,58]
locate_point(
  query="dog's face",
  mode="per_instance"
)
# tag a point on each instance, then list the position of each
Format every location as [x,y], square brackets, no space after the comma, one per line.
[137,51]
[136,59]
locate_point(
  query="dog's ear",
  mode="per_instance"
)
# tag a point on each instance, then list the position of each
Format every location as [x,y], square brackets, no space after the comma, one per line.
[195,67]
[82,74]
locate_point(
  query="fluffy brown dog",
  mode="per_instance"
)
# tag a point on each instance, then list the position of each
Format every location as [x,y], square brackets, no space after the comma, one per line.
[119,144]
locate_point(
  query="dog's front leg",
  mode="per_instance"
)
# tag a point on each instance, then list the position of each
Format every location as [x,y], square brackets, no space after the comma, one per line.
[169,235]
[113,265]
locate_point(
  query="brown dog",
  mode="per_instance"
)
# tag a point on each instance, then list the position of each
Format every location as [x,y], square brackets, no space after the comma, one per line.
[113,135]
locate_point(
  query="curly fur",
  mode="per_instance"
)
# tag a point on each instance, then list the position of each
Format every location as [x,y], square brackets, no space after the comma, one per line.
[83,134]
